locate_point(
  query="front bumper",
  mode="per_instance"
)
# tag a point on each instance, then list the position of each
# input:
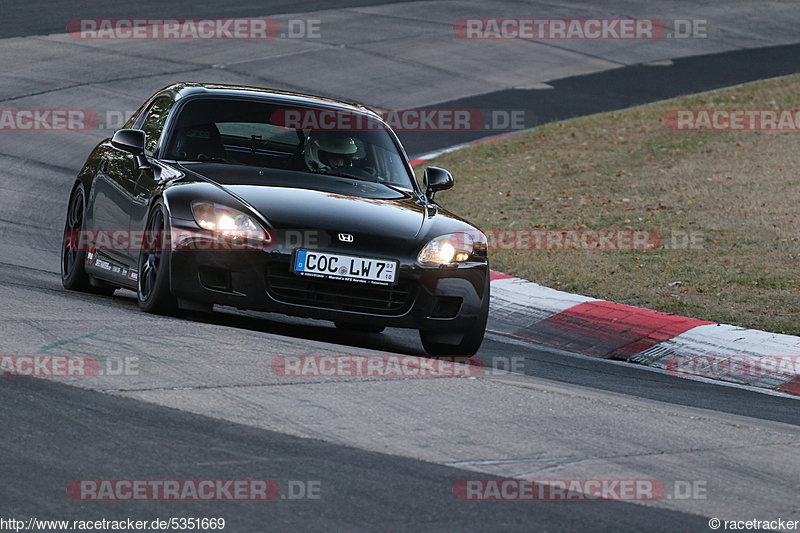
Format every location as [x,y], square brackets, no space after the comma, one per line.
[448,298]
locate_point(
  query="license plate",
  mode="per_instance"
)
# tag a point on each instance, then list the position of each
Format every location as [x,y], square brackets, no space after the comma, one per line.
[345,267]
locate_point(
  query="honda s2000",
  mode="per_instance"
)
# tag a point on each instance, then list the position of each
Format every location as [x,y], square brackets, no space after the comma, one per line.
[235,196]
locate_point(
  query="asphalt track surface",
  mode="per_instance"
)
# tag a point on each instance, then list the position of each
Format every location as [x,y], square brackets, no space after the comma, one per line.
[611,90]
[387,452]
[362,491]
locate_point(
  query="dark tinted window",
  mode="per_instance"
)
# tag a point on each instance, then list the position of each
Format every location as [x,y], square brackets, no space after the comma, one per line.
[327,142]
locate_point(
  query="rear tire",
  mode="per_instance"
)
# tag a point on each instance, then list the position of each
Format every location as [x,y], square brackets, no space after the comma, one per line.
[364,328]
[73,258]
[153,291]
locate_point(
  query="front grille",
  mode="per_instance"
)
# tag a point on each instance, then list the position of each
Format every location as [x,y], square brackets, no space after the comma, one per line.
[286,287]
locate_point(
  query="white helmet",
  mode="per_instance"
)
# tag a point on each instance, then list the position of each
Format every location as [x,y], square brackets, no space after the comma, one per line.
[325,150]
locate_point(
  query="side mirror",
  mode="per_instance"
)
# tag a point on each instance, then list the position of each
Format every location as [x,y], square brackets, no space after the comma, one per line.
[129,140]
[437,179]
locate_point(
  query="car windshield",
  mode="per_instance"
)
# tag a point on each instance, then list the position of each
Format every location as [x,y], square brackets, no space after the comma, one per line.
[327,142]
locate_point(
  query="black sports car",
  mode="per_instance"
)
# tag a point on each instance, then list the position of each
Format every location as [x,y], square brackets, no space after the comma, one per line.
[275,201]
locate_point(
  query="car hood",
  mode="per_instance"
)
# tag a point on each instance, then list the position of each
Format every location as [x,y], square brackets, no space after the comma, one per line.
[287,201]
[295,208]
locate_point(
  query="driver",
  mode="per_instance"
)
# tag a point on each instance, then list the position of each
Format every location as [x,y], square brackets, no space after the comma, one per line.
[329,151]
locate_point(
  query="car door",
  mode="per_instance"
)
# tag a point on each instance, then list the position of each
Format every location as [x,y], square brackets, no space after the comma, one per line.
[148,179]
[113,193]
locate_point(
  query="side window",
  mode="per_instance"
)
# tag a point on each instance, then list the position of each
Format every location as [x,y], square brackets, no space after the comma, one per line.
[154,121]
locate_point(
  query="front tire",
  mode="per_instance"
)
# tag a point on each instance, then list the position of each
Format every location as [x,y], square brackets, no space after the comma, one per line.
[73,258]
[153,292]
[471,339]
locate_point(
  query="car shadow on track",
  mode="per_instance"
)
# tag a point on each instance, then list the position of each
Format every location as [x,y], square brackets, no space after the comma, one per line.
[403,341]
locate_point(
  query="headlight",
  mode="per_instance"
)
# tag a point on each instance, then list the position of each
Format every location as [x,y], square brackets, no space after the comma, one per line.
[453,248]
[226,220]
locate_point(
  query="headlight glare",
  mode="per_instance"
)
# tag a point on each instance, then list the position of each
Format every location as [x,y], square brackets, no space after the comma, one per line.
[227,221]
[447,249]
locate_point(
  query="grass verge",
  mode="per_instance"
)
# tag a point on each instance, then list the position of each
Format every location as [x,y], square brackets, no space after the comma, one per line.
[738,191]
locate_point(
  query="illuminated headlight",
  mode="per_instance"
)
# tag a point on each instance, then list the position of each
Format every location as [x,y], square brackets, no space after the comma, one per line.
[452,248]
[227,221]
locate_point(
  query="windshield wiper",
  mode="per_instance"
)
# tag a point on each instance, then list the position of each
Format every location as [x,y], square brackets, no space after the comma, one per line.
[210,160]
[342,175]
